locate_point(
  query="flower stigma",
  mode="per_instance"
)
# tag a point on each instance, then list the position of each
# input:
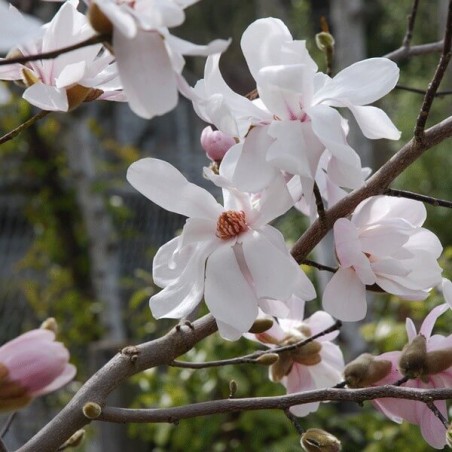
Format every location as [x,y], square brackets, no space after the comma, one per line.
[230,224]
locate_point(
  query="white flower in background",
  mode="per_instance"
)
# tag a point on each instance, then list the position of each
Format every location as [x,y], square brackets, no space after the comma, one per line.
[16,27]
[62,83]
[294,119]
[383,243]
[317,365]
[228,254]
[150,59]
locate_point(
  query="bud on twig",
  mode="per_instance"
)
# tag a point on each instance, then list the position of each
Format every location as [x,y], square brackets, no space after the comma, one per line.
[50,324]
[413,362]
[318,440]
[324,41]
[365,370]
[74,441]
[260,326]
[92,410]
[232,388]
[268,359]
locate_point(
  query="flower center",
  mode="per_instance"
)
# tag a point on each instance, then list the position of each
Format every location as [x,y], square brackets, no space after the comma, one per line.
[230,224]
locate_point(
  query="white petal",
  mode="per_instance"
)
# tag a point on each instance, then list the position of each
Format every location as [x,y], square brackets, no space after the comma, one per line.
[228,294]
[447,291]
[71,74]
[345,296]
[188,48]
[163,184]
[46,97]
[375,123]
[148,78]
[383,239]
[273,269]
[361,83]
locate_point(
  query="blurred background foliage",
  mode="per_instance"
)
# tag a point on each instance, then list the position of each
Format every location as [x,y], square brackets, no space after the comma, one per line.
[53,278]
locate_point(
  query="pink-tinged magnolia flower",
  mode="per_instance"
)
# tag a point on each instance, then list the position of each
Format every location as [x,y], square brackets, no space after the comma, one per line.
[228,254]
[294,118]
[62,83]
[383,243]
[150,59]
[317,365]
[216,143]
[31,365]
[438,347]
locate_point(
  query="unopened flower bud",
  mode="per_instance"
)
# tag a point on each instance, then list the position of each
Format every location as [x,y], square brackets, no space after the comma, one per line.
[438,361]
[50,324]
[365,370]
[413,362]
[268,359]
[324,41]
[74,441]
[92,410]
[232,388]
[98,20]
[260,326]
[216,143]
[318,440]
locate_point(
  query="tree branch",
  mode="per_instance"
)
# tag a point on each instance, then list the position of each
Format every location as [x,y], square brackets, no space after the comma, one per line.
[375,185]
[28,123]
[403,53]
[418,197]
[175,414]
[131,361]
[422,91]
[410,25]
[97,39]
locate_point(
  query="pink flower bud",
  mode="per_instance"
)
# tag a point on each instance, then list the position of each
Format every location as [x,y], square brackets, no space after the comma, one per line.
[35,363]
[216,143]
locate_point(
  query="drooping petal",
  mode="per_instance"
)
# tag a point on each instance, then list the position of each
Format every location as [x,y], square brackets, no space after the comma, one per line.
[47,97]
[163,184]
[361,83]
[147,75]
[345,296]
[228,294]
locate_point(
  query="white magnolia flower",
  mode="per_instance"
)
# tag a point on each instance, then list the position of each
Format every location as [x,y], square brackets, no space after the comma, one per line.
[294,119]
[316,365]
[383,243]
[150,59]
[62,83]
[227,253]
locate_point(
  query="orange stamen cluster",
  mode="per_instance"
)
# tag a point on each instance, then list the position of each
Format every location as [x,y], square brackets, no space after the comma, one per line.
[230,224]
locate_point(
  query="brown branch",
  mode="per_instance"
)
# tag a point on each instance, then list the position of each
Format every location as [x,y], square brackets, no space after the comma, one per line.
[433,408]
[319,203]
[436,202]
[318,266]
[410,25]
[175,414]
[422,91]
[28,123]
[403,53]
[97,39]
[150,354]
[252,357]
[375,185]
[436,80]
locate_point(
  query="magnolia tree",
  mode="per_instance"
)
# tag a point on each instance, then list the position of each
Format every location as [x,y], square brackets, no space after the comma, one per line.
[283,146]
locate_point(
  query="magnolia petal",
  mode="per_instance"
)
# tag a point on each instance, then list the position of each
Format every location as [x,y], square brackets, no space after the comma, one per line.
[383,239]
[227,331]
[188,48]
[147,75]
[429,322]
[345,296]
[320,321]
[164,185]
[375,123]
[298,380]
[228,293]
[64,378]
[361,83]
[167,265]
[447,291]
[71,74]
[46,97]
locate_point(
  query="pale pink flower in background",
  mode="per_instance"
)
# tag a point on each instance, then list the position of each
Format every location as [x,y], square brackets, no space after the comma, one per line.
[62,83]
[317,365]
[415,412]
[228,254]
[216,143]
[383,243]
[150,59]
[31,365]
[292,121]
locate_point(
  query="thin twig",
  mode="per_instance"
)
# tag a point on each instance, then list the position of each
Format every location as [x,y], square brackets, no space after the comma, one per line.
[434,409]
[437,202]
[403,53]
[252,357]
[7,424]
[422,91]
[401,381]
[410,25]
[295,422]
[97,39]
[174,414]
[29,122]
[419,130]
[318,266]
[319,204]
